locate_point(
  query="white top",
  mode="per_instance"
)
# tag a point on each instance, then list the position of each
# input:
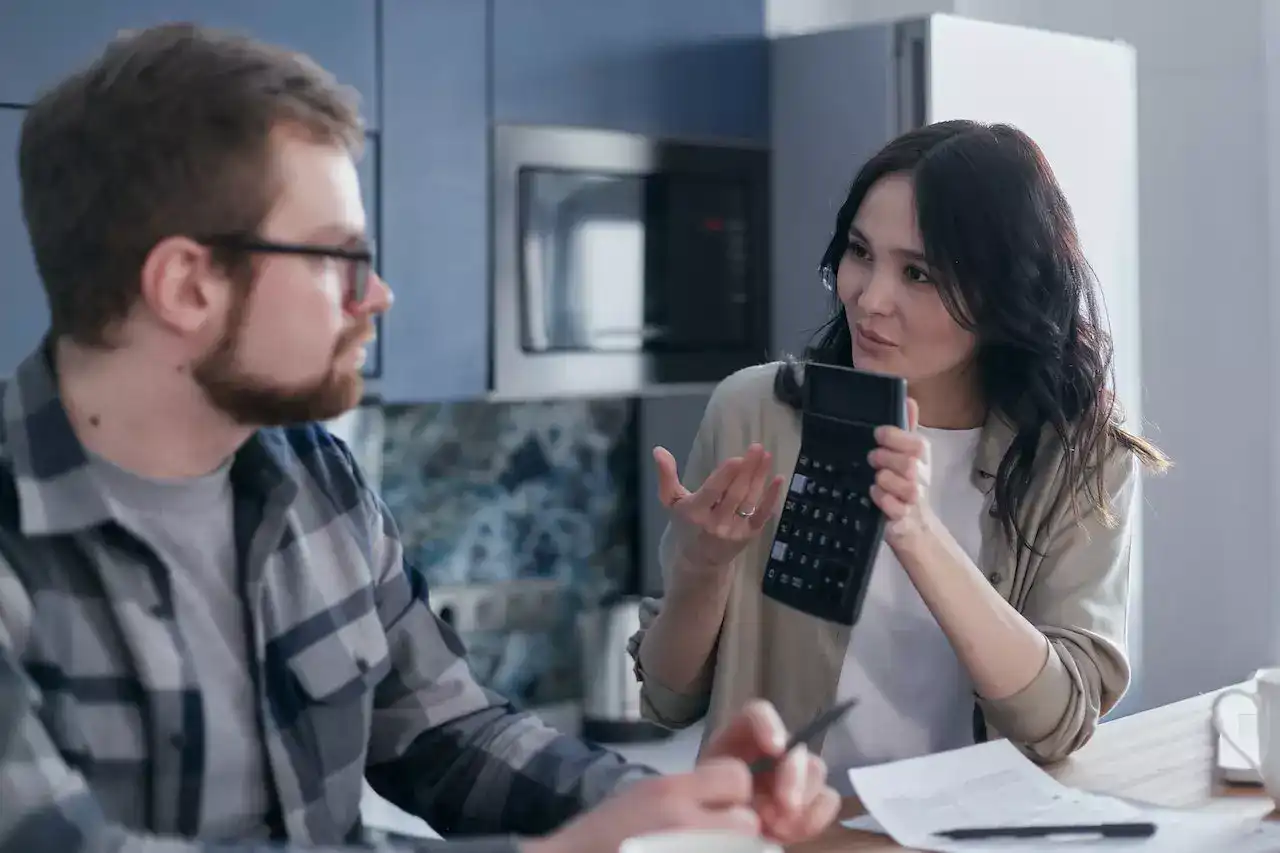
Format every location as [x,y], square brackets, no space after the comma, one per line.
[915,698]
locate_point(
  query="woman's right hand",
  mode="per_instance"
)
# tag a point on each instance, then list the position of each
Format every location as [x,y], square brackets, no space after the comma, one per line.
[733,505]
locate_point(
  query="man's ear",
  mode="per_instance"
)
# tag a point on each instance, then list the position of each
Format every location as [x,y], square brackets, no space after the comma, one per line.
[179,287]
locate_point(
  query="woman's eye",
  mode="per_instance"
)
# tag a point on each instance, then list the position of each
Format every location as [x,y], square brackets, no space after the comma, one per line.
[916,275]
[858,250]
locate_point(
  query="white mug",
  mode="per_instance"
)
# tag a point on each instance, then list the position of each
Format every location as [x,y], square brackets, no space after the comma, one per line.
[698,841]
[1267,700]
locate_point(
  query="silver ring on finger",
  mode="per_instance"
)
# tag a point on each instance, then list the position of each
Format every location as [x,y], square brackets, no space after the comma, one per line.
[744,513]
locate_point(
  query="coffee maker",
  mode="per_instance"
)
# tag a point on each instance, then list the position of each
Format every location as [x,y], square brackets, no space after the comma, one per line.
[611,693]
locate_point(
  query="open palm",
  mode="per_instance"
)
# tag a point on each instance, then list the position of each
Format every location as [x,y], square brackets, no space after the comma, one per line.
[727,511]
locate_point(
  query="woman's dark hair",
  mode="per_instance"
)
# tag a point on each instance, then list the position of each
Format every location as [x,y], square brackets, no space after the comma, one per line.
[1002,248]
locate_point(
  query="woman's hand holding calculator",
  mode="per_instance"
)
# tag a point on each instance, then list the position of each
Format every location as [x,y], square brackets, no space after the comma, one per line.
[902,481]
[729,510]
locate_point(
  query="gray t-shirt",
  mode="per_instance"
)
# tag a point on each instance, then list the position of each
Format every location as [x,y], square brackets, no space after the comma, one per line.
[189,523]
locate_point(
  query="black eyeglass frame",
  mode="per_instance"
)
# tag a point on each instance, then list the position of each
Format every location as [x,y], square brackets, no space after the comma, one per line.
[363,260]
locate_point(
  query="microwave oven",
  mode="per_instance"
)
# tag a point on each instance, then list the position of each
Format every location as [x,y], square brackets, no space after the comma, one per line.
[624,264]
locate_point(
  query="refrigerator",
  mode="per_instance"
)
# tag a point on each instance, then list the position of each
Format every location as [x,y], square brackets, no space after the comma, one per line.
[838,96]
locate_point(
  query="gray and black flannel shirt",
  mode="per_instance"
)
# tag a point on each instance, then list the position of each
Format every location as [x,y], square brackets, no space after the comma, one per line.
[102,734]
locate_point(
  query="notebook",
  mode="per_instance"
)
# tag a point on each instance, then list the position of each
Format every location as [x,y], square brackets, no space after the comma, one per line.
[1239,717]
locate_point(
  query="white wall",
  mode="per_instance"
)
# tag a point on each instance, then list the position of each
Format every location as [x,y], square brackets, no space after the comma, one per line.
[796,17]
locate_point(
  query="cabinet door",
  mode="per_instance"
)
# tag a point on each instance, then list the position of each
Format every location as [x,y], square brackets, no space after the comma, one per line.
[676,68]
[25,315]
[42,41]
[434,198]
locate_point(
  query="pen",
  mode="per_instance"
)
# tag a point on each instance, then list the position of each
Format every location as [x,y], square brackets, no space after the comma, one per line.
[819,724]
[1136,829]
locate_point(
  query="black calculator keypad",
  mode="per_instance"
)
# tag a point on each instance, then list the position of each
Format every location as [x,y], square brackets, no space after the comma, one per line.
[829,528]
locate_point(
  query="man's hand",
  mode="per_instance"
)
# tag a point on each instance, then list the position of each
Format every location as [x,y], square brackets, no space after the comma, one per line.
[790,803]
[793,801]
[718,794]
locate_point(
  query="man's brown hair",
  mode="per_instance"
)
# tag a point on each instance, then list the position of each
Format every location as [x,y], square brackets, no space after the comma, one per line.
[166,133]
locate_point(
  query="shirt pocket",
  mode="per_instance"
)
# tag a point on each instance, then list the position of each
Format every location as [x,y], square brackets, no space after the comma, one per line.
[332,693]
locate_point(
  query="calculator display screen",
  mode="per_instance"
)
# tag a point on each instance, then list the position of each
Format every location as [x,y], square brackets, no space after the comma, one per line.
[852,395]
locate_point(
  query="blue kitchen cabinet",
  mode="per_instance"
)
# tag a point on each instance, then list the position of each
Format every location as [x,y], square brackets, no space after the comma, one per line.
[671,68]
[42,41]
[24,314]
[434,200]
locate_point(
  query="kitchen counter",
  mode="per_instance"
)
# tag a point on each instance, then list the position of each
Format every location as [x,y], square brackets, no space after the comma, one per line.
[673,755]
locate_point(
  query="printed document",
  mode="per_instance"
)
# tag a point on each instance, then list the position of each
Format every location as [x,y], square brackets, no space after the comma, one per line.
[994,785]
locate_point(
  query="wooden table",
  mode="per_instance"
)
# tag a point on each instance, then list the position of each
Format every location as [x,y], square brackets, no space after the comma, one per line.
[1164,756]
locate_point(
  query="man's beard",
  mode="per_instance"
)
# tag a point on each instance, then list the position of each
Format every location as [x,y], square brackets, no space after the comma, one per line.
[253,401]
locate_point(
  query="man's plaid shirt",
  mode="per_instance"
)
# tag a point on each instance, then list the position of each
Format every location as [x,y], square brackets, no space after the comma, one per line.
[102,734]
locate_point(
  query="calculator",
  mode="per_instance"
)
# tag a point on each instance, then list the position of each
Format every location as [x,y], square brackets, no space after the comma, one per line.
[829,530]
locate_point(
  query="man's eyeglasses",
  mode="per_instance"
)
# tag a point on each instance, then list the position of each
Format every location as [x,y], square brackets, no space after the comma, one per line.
[359,261]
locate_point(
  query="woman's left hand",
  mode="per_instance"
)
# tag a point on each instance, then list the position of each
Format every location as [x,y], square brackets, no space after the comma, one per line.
[901,463]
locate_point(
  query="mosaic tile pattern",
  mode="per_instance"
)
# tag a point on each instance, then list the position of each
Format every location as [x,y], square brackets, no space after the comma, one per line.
[487,492]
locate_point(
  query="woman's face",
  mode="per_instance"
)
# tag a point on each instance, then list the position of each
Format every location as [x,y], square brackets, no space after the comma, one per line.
[897,319]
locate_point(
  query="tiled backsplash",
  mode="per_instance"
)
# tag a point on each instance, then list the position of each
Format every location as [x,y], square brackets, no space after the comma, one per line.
[487,492]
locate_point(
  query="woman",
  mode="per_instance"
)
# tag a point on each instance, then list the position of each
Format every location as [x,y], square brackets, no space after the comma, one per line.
[998,605]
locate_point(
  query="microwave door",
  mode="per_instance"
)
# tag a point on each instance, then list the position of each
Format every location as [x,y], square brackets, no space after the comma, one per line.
[698,280]
[583,258]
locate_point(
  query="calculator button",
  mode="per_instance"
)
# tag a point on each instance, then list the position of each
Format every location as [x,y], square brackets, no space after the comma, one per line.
[779,552]
[798,483]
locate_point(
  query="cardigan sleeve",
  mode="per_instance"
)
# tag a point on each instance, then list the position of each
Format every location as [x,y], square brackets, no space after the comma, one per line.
[722,433]
[1079,600]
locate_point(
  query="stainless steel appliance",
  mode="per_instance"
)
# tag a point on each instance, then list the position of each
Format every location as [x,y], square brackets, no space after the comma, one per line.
[611,694]
[622,262]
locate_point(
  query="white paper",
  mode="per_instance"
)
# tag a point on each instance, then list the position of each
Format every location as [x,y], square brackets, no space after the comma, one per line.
[993,784]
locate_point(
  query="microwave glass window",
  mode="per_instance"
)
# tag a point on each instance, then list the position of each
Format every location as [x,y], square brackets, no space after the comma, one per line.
[628,263]
[583,253]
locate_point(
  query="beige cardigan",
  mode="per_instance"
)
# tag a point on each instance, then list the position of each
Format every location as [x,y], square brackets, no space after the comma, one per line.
[1075,591]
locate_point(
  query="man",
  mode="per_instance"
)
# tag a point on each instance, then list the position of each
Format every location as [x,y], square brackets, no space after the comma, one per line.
[207,630]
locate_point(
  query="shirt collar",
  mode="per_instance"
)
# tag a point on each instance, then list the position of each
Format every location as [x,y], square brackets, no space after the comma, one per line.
[997,437]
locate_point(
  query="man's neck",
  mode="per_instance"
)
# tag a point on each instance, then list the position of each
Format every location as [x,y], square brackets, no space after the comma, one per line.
[143,414]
